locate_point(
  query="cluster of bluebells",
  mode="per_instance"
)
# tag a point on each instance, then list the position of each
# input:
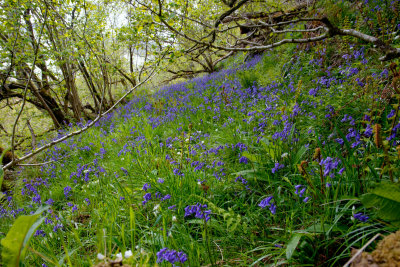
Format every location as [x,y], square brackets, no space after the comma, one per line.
[243,159]
[277,167]
[361,217]
[248,103]
[199,211]
[171,256]
[300,190]
[147,197]
[266,202]
[330,165]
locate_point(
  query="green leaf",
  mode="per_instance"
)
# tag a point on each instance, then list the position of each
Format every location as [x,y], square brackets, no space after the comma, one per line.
[291,247]
[250,156]
[15,243]
[385,198]
[299,155]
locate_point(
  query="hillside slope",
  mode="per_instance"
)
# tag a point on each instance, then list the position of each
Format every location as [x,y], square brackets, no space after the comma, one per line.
[260,163]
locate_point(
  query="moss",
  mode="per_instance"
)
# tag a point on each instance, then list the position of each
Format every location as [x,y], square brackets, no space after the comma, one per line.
[386,254]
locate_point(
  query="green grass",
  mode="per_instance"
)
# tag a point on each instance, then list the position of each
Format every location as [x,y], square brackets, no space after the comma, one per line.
[240,232]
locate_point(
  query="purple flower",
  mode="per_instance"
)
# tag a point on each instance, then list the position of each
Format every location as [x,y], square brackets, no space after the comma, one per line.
[67,190]
[277,167]
[199,211]
[172,256]
[146,186]
[57,226]
[302,192]
[146,197]
[298,187]
[391,113]
[361,217]
[244,160]
[368,131]
[40,233]
[339,141]
[87,201]
[329,164]
[272,208]
[49,202]
[167,196]
[305,200]
[160,181]
[266,202]
[177,172]
[124,170]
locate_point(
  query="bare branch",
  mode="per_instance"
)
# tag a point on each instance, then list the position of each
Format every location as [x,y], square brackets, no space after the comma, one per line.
[25,93]
[32,134]
[89,125]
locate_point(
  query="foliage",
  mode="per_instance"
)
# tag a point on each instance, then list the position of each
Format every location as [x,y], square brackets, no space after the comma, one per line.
[14,245]
[386,199]
[261,163]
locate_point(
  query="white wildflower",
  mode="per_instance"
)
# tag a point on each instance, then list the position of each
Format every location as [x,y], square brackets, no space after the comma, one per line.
[128,254]
[156,209]
[101,256]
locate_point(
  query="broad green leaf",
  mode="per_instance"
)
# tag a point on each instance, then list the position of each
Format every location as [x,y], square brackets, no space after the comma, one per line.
[251,157]
[385,198]
[292,245]
[15,243]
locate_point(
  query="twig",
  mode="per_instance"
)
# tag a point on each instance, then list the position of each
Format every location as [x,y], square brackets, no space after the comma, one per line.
[65,137]
[361,250]
[39,164]
[25,92]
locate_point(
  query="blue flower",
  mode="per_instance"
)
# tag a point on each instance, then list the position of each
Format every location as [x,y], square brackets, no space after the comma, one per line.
[199,211]
[40,233]
[172,256]
[146,186]
[244,160]
[329,164]
[124,170]
[368,131]
[146,197]
[177,172]
[391,113]
[361,217]
[67,190]
[277,167]
[49,202]
[266,202]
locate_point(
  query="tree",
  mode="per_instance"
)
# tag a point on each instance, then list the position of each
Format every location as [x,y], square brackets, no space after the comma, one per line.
[254,26]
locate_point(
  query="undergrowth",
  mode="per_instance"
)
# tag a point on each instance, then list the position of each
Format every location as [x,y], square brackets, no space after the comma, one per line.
[267,161]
